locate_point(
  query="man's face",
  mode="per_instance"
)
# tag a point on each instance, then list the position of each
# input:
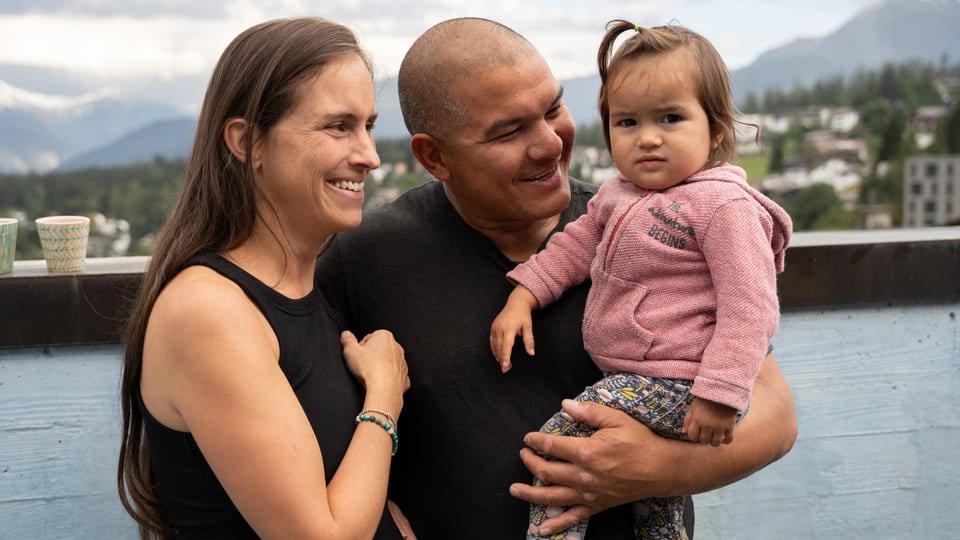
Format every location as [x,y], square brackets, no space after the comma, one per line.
[508,162]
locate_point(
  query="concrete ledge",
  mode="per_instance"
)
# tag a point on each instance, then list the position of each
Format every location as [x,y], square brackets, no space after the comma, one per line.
[823,270]
[846,268]
[38,308]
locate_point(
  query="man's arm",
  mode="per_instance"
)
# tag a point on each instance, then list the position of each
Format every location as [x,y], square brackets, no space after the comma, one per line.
[624,461]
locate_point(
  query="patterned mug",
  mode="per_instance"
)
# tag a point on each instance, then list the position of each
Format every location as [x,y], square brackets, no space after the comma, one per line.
[63,240]
[8,244]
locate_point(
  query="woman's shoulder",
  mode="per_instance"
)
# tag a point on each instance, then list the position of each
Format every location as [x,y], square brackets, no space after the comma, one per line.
[199,327]
[199,285]
[199,299]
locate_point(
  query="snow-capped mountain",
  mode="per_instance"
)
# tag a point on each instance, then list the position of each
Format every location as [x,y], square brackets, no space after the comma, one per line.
[40,131]
[43,131]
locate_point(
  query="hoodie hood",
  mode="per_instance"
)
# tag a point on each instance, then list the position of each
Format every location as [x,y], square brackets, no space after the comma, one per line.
[782,224]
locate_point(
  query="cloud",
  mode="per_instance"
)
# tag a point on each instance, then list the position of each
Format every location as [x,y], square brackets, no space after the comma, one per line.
[112,46]
[111,8]
[170,38]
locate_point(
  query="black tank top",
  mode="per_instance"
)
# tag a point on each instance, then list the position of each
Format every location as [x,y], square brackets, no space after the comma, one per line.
[308,331]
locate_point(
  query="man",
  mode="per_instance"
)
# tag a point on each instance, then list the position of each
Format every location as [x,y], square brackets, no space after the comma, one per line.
[489,122]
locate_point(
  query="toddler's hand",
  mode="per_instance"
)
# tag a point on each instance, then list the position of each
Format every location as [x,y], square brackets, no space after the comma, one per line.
[709,422]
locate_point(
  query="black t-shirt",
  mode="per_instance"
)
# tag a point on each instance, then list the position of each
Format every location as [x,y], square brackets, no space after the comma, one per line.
[311,357]
[414,267]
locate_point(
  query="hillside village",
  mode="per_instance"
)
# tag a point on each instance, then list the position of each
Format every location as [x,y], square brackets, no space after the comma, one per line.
[876,150]
[852,135]
[833,152]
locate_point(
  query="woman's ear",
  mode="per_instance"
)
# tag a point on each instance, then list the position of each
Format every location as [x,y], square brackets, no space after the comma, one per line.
[235,134]
[429,152]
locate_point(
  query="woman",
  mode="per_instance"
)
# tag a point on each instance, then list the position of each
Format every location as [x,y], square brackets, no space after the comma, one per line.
[236,374]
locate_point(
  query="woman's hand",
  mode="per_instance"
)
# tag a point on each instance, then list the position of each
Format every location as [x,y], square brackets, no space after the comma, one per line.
[377,361]
[400,520]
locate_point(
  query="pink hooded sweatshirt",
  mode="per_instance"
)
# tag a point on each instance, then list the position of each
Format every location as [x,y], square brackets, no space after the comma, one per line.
[683,280]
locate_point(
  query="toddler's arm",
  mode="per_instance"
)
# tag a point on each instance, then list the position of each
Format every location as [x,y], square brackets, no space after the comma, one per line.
[514,319]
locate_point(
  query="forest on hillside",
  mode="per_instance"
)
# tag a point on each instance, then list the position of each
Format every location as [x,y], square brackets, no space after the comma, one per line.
[141,194]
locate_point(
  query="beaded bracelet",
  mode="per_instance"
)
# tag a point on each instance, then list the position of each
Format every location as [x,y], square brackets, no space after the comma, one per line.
[387,427]
[387,415]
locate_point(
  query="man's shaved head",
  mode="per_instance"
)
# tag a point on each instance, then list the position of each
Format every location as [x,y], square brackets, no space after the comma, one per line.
[445,56]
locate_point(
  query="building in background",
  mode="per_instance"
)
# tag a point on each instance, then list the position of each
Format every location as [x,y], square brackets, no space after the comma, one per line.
[931,190]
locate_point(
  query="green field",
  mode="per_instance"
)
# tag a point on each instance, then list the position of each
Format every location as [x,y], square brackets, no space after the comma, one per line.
[756,166]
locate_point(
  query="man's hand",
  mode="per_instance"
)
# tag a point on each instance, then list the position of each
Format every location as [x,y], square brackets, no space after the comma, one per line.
[605,470]
[624,461]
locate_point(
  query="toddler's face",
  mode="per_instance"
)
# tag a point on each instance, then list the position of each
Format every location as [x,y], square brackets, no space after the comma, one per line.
[659,132]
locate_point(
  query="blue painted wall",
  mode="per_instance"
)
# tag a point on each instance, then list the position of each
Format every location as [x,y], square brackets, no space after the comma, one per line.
[59,437]
[877,457]
[877,393]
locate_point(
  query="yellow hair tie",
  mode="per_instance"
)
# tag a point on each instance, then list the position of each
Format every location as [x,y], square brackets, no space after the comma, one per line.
[636,28]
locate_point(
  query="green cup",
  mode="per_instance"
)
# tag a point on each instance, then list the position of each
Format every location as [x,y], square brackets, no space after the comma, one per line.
[63,240]
[8,244]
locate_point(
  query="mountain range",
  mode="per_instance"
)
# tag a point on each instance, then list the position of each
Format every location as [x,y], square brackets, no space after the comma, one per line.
[40,129]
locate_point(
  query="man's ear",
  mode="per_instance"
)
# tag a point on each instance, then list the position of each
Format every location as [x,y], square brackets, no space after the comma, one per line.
[429,152]
[235,134]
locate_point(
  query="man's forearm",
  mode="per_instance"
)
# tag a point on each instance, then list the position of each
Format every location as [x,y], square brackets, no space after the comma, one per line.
[625,461]
[765,434]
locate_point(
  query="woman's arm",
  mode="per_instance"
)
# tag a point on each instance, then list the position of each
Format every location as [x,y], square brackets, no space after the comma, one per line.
[218,377]
[624,461]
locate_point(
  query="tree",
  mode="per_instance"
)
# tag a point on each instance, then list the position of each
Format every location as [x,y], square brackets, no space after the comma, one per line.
[892,137]
[888,84]
[395,151]
[751,104]
[948,133]
[140,194]
[591,135]
[776,154]
[817,207]
[874,116]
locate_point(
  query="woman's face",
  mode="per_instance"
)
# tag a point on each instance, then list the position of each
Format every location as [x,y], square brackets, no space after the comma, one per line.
[312,164]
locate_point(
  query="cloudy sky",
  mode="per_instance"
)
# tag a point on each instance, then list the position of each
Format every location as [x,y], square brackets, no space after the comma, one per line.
[184,37]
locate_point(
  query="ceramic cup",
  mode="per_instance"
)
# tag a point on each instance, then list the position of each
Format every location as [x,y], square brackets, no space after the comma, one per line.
[8,244]
[63,240]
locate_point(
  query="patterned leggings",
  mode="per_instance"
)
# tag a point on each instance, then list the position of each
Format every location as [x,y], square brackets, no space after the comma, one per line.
[661,405]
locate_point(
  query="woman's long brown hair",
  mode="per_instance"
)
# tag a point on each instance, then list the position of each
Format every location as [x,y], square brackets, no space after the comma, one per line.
[256,79]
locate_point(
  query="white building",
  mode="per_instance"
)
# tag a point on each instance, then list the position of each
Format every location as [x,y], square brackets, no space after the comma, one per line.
[931,190]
